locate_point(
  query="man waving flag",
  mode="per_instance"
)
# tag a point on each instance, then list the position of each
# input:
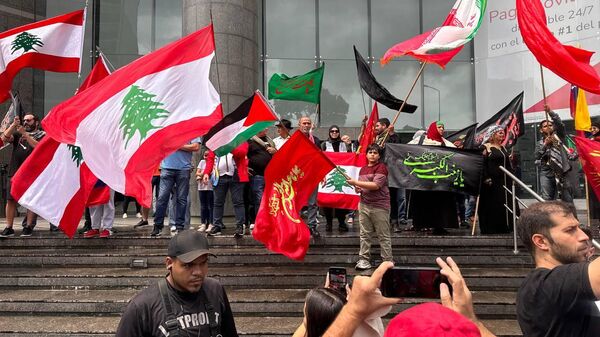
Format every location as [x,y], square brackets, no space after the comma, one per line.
[128,122]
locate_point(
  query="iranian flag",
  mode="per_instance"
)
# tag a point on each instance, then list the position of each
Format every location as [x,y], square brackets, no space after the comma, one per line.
[334,191]
[441,44]
[128,122]
[248,119]
[54,44]
[53,164]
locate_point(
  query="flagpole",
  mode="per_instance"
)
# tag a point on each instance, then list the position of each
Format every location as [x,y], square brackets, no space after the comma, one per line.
[317,115]
[216,54]
[404,103]
[587,201]
[544,91]
[475,218]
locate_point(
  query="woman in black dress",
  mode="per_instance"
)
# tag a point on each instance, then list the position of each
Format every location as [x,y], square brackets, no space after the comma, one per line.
[494,217]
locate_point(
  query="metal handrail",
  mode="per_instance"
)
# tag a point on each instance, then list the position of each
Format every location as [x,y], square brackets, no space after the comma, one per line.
[514,197]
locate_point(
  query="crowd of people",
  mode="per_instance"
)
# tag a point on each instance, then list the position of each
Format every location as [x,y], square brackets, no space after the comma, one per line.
[559,298]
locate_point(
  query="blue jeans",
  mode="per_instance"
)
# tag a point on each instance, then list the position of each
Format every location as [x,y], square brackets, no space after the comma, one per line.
[312,209]
[236,187]
[549,189]
[169,178]
[173,210]
[258,188]
[470,208]
[206,206]
[401,201]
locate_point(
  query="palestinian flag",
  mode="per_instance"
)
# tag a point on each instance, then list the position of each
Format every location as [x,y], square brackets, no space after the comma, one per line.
[53,164]
[129,121]
[53,44]
[248,119]
[334,191]
[306,87]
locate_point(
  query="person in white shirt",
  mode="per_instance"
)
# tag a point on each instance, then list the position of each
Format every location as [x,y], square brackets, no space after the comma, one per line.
[284,127]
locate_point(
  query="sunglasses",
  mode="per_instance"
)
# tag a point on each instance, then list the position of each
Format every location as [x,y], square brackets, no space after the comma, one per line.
[28,120]
[334,131]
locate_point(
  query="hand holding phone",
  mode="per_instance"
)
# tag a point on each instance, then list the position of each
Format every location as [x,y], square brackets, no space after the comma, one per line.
[412,282]
[338,279]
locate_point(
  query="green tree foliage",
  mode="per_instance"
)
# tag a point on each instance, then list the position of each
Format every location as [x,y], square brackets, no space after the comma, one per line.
[337,180]
[139,110]
[26,42]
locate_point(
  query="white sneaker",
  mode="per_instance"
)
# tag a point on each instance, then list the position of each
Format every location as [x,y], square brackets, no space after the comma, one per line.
[363,265]
[138,215]
[124,215]
[202,228]
[210,227]
[251,227]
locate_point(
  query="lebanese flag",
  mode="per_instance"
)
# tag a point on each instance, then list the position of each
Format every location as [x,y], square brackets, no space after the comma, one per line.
[290,178]
[53,44]
[441,44]
[128,122]
[54,164]
[54,183]
[334,191]
[248,119]
[368,135]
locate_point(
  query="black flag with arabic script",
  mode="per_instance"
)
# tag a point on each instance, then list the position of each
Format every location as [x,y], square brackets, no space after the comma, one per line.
[433,168]
[510,118]
[465,137]
[375,90]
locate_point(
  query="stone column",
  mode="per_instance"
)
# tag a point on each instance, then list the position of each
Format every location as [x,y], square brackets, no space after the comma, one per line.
[237,63]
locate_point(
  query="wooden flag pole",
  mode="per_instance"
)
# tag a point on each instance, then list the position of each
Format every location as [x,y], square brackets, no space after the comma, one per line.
[404,103]
[544,91]
[475,217]
[587,201]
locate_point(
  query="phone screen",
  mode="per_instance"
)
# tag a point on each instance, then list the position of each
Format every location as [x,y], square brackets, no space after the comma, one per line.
[412,282]
[338,279]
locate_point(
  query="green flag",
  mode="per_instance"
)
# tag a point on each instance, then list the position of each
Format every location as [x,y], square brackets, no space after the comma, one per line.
[305,87]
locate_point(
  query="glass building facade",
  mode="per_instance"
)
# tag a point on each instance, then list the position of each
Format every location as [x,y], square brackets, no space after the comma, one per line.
[293,37]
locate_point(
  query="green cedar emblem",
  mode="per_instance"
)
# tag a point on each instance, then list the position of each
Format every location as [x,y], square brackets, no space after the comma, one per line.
[76,155]
[26,42]
[139,110]
[337,180]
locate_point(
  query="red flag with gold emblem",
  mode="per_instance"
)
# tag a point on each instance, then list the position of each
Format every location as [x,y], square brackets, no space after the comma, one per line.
[589,155]
[291,176]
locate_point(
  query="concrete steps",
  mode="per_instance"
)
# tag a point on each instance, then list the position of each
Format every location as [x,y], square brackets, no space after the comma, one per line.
[79,287]
[104,326]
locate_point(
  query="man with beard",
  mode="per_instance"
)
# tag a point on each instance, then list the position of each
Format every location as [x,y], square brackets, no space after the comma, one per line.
[558,297]
[186,300]
[23,138]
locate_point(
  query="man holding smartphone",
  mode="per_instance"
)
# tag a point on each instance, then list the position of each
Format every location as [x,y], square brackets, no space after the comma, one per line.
[558,297]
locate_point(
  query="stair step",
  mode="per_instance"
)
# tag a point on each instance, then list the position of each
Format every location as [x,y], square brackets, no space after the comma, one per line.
[246,302]
[104,326]
[237,276]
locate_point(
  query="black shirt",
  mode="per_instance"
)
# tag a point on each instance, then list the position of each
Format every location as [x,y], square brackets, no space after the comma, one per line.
[558,302]
[145,314]
[258,156]
[21,150]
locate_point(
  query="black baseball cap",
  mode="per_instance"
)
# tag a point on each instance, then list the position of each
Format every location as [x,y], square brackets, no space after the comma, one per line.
[285,123]
[188,246]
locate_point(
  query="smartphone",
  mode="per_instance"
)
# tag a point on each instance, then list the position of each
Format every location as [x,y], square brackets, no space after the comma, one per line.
[338,279]
[413,282]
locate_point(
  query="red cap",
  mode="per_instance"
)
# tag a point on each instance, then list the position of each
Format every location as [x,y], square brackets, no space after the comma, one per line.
[431,319]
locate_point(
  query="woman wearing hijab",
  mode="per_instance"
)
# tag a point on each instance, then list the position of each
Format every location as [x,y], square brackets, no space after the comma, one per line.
[433,209]
[334,143]
[494,217]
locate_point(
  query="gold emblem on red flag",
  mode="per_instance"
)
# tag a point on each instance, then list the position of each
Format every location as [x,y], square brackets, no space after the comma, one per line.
[282,199]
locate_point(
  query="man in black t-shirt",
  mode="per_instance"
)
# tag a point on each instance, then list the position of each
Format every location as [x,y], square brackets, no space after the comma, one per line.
[24,139]
[559,297]
[199,304]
